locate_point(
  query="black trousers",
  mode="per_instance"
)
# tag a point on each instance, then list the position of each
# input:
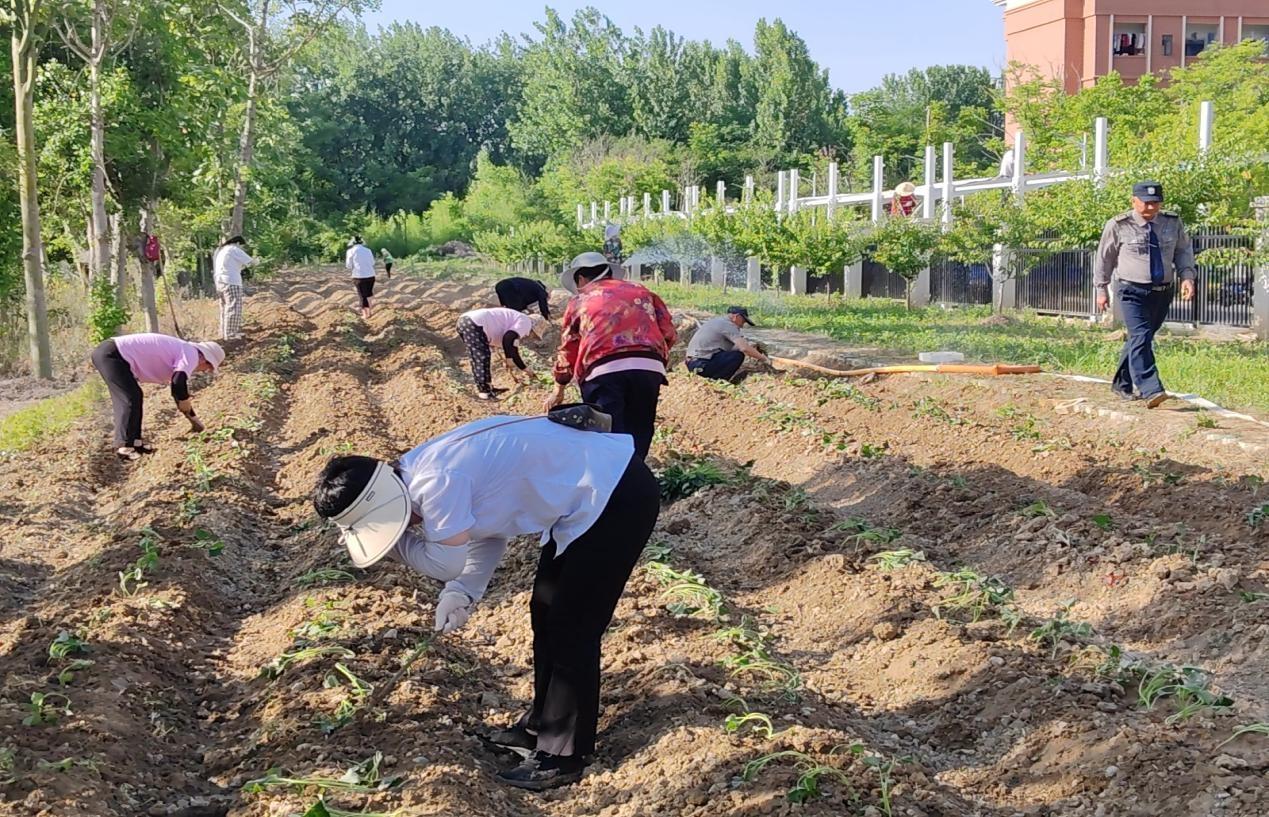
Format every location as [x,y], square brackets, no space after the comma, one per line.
[721,365]
[478,349]
[1144,309]
[631,398]
[125,392]
[365,289]
[574,597]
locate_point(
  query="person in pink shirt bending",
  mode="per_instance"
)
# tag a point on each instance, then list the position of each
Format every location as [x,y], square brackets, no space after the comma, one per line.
[127,361]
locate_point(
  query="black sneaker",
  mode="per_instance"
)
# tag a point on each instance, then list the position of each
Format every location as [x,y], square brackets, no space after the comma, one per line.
[542,771]
[1125,395]
[516,740]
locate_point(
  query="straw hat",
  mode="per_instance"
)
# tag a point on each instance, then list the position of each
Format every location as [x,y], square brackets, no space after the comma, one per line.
[589,259]
[374,522]
[905,189]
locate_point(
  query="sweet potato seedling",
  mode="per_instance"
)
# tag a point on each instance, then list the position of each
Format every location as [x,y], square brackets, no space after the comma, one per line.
[810,772]
[1247,729]
[208,542]
[1059,629]
[67,673]
[1103,521]
[884,767]
[8,765]
[1252,596]
[324,576]
[1204,419]
[971,592]
[353,700]
[889,560]
[1038,508]
[279,665]
[46,708]
[132,580]
[1189,685]
[1257,515]
[66,644]
[687,475]
[361,778]
[759,724]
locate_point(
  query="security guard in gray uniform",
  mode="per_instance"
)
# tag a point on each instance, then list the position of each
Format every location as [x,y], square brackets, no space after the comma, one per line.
[1147,250]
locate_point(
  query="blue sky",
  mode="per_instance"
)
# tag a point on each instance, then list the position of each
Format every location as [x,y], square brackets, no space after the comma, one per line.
[857,40]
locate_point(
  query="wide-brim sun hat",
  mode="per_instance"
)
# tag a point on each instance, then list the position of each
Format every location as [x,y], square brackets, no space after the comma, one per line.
[585,260]
[374,522]
[905,189]
[212,353]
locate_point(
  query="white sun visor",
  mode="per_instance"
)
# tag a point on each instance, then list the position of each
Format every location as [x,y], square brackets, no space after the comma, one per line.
[375,521]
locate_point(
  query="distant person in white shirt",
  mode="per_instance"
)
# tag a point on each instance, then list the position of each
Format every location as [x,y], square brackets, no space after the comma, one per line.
[360,260]
[447,508]
[227,265]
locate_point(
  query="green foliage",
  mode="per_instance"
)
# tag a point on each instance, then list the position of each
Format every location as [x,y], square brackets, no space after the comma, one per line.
[687,475]
[972,593]
[810,773]
[49,417]
[106,316]
[904,246]
[65,645]
[45,708]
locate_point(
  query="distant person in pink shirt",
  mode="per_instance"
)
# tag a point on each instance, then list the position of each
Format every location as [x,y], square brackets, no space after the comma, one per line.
[480,329]
[127,361]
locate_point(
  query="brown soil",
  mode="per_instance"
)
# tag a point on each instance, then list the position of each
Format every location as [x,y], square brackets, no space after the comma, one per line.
[1144,533]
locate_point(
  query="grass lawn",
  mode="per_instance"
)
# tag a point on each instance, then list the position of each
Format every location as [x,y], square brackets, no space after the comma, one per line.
[53,415]
[1232,374]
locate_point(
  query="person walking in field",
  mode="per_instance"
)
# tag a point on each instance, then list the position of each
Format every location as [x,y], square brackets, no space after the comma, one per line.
[447,509]
[612,245]
[480,329]
[360,261]
[718,348]
[520,293]
[615,342]
[388,261]
[228,262]
[127,361]
[1147,250]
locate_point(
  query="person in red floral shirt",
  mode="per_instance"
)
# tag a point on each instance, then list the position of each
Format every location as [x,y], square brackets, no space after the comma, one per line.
[615,342]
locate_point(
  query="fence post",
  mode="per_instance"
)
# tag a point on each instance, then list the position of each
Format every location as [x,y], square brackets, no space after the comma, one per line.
[717,272]
[797,280]
[594,213]
[1260,274]
[1002,258]
[581,215]
[793,190]
[748,189]
[921,288]
[636,270]
[877,169]
[720,193]
[1205,126]
[779,202]
[832,189]
[647,205]
[607,211]
[948,185]
[854,287]
[1100,155]
[927,190]
[753,274]
[665,201]
[1019,166]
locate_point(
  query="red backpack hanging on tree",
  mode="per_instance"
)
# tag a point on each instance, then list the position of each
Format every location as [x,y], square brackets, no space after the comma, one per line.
[152,250]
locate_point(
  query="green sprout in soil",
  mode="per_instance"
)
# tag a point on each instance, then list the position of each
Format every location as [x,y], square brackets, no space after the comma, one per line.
[324,576]
[686,476]
[811,773]
[279,665]
[45,708]
[1038,508]
[862,532]
[189,508]
[869,451]
[1247,729]
[358,692]
[65,645]
[929,407]
[8,765]
[1252,596]
[132,580]
[1188,685]
[323,809]
[658,551]
[753,658]
[889,560]
[1152,476]
[1204,420]
[1103,521]
[1060,628]
[208,542]
[66,764]
[204,473]
[758,722]
[1257,515]
[361,778]
[972,592]
[884,767]
[67,673]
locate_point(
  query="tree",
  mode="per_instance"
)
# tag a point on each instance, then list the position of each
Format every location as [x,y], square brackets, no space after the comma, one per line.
[904,246]
[267,52]
[103,41]
[988,231]
[21,15]
[796,110]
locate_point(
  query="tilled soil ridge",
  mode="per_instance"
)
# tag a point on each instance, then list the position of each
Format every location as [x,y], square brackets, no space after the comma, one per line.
[810,590]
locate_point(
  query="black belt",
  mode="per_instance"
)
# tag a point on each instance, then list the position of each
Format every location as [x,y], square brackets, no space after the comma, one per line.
[1151,287]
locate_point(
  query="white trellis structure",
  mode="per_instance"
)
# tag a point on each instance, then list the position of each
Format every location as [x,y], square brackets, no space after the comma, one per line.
[936,192]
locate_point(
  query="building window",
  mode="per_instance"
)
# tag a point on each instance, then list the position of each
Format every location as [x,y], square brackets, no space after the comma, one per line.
[1257,33]
[1167,45]
[1130,40]
[1200,36]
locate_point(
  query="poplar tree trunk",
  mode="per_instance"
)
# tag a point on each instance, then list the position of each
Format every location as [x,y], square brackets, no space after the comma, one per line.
[101,230]
[149,304]
[246,140]
[24,67]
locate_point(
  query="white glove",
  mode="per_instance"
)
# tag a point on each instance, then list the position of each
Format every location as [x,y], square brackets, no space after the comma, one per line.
[453,608]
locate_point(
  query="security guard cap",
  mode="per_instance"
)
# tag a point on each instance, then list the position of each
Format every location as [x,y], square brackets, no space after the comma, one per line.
[1148,191]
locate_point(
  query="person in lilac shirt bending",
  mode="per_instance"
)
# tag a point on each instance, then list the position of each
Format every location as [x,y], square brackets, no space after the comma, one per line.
[127,361]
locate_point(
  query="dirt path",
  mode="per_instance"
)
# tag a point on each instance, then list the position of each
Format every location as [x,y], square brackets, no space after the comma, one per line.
[198,685]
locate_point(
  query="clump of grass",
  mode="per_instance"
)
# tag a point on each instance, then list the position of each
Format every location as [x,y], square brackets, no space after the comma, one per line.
[47,418]
[1204,419]
[863,532]
[972,592]
[1038,508]
[687,475]
[324,576]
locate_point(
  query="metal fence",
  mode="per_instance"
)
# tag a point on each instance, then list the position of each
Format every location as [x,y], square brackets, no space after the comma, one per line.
[1222,295]
[880,282]
[1055,282]
[952,282]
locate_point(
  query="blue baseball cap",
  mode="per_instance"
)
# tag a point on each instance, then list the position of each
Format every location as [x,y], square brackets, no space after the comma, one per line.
[1148,191]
